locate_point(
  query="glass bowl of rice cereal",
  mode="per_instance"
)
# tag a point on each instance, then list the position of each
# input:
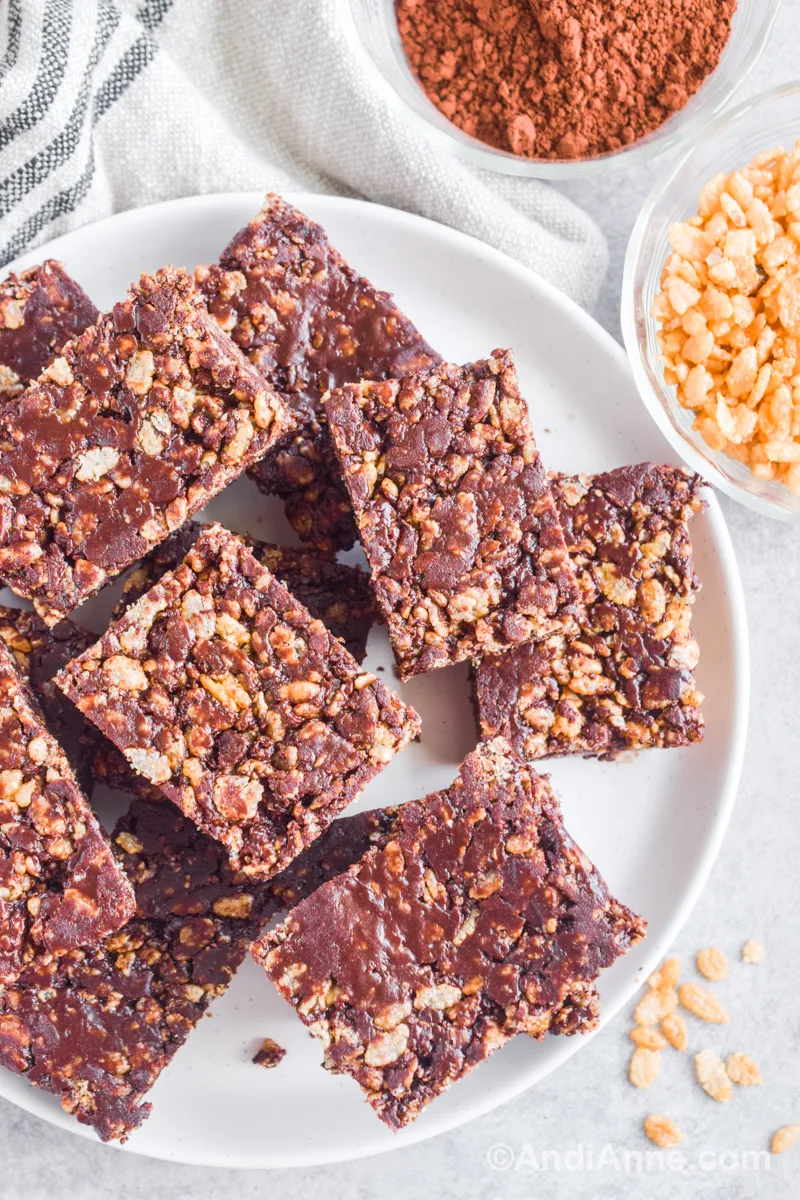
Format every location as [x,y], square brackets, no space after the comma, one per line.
[711,303]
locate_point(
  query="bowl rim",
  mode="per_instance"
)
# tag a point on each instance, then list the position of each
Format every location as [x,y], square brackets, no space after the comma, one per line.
[652,397]
[478,154]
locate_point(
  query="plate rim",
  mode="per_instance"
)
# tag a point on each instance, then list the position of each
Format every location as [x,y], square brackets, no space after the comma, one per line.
[720,539]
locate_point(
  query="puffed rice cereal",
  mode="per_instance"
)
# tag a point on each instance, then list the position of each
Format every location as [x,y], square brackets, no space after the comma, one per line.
[662,1131]
[729,309]
[785,1138]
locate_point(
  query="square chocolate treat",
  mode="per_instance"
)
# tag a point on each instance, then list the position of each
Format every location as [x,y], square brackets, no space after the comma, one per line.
[479,918]
[96,1027]
[308,322]
[625,681]
[39,652]
[220,688]
[455,513]
[40,311]
[132,429]
[60,885]
[338,595]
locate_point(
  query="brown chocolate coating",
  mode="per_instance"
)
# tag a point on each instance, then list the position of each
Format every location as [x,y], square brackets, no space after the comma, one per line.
[97,1027]
[478,919]
[222,689]
[309,323]
[625,682]
[454,511]
[136,426]
[60,885]
[40,311]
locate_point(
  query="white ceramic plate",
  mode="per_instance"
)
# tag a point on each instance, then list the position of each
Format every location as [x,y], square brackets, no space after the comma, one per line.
[653,825]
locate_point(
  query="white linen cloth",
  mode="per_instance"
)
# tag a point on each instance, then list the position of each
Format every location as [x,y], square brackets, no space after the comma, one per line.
[110,104]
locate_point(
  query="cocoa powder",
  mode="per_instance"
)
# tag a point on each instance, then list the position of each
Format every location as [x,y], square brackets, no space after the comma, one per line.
[562,78]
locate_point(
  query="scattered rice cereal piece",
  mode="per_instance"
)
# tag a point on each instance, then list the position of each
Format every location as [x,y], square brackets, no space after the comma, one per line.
[655,1005]
[702,1003]
[712,963]
[662,1131]
[753,952]
[785,1138]
[742,1070]
[647,1036]
[667,975]
[645,1067]
[674,1029]
[712,1076]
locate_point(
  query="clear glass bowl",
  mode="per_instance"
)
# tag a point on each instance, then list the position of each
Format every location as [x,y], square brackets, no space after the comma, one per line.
[731,141]
[372,28]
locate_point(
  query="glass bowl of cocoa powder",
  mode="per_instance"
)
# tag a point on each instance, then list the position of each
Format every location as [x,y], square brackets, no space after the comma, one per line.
[710,304]
[557,88]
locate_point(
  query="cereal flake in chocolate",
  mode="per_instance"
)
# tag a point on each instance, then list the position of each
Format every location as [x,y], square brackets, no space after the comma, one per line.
[269,1054]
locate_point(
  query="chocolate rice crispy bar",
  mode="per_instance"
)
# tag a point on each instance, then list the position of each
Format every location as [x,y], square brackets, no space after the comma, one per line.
[40,311]
[97,1027]
[454,510]
[478,919]
[136,426]
[222,689]
[309,323]
[338,595]
[625,682]
[60,885]
[39,652]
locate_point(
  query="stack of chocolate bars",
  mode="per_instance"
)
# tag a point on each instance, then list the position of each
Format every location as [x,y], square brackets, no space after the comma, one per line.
[227,696]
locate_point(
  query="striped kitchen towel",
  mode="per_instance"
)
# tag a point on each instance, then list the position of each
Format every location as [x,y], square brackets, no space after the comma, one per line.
[110,104]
